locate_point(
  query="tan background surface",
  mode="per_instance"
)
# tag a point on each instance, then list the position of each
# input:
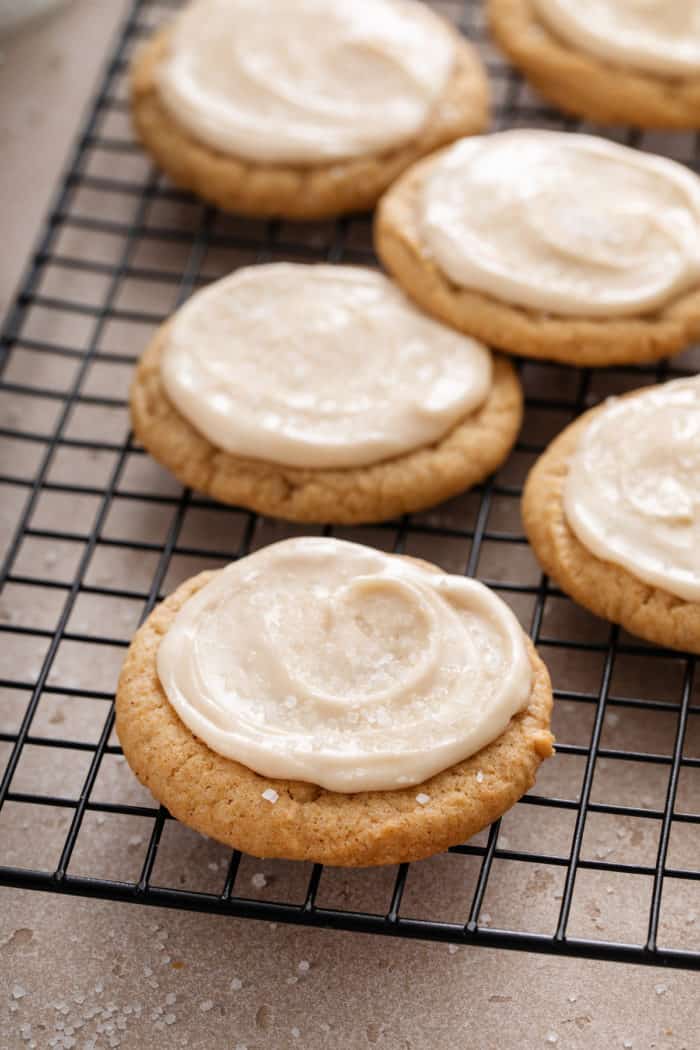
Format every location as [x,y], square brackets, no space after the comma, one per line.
[110,967]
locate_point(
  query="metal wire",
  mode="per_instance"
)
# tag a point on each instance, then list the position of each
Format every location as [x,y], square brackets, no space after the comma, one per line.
[192,240]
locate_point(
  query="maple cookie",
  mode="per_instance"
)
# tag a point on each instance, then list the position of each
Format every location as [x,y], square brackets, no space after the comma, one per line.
[610,61]
[320,393]
[303,109]
[612,510]
[551,245]
[322,701]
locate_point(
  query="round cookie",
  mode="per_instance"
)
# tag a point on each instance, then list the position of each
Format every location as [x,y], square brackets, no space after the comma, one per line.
[297,191]
[608,590]
[223,799]
[588,86]
[465,456]
[515,329]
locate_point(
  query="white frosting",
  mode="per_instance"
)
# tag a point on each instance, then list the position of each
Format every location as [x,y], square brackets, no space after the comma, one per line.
[318,366]
[325,661]
[305,81]
[654,36]
[632,493]
[564,223]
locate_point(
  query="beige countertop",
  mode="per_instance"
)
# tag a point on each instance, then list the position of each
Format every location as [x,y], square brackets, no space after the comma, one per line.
[119,975]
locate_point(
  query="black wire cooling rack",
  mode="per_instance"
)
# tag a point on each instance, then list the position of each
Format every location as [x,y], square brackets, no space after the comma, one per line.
[601,860]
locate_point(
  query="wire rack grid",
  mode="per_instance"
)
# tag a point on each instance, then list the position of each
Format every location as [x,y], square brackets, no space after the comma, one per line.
[601,860]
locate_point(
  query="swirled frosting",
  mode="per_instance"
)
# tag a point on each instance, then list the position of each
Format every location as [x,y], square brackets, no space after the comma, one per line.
[318,366]
[325,661]
[305,81]
[632,493]
[569,224]
[654,36]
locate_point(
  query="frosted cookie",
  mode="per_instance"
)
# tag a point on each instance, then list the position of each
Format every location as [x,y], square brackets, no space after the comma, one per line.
[320,393]
[319,700]
[303,108]
[551,245]
[611,61]
[612,510]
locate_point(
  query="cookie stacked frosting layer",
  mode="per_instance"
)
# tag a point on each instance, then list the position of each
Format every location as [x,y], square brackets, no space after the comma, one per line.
[320,660]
